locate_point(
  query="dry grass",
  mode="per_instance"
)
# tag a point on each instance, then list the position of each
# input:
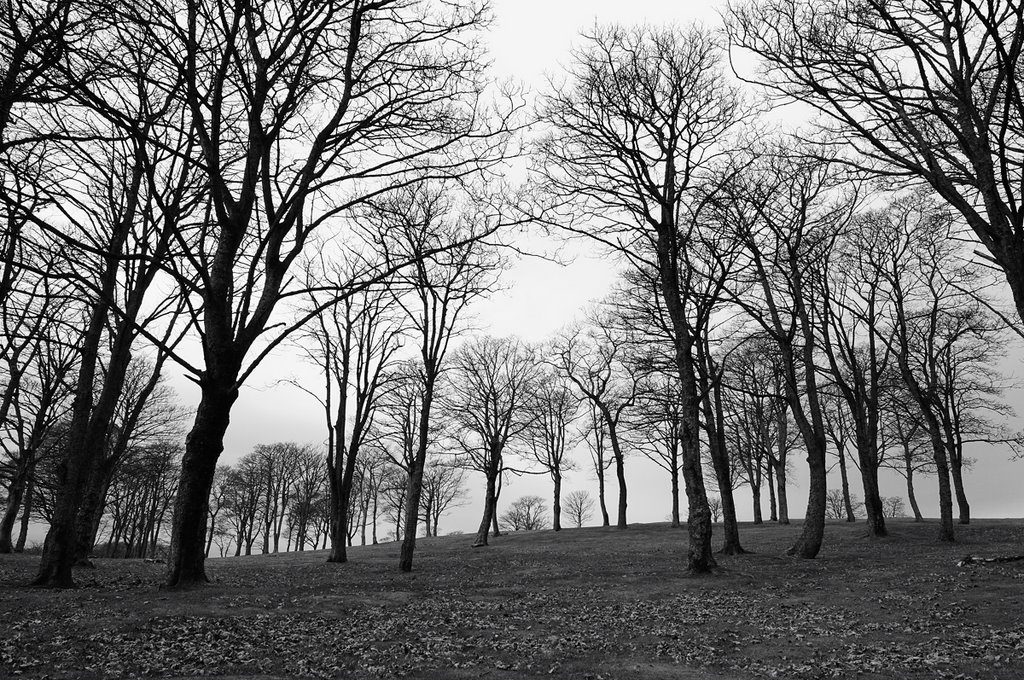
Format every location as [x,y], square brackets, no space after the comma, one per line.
[588,603]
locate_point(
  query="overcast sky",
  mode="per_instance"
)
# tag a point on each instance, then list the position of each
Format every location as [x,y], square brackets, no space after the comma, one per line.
[530,39]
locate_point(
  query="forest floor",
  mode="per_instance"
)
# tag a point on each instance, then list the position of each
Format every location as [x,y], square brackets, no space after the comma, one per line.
[584,603]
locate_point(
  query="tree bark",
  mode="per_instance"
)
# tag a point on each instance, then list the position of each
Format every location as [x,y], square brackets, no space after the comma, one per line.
[90,514]
[26,516]
[490,506]
[415,486]
[15,495]
[620,475]
[780,469]
[600,495]
[868,453]
[755,493]
[675,497]
[556,505]
[847,503]
[911,496]
[203,446]
[714,413]
[773,511]
[495,529]
[961,496]
[55,568]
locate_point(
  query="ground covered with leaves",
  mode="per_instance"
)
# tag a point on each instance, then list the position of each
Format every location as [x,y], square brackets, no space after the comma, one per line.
[583,603]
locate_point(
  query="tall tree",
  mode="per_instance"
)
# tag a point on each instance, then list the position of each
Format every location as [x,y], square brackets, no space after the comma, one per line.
[434,292]
[294,102]
[933,309]
[353,341]
[788,210]
[124,187]
[638,135]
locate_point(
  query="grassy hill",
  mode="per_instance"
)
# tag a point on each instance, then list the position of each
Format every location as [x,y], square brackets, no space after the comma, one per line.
[583,603]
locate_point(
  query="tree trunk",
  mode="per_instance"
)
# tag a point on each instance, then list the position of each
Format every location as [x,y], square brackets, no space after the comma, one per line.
[415,487]
[15,495]
[556,505]
[489,507]
[809,543]
[209,534]
[203,446]
[773,512]
[601,496]
[755,493]
[374,529]
[90,513]
[847,503]
[675,497]
[956,468]
[26,516]
[341,478]
[620,474]
[780,469]
[945,493]
[872,499]
[908,461]
[867,454]
[715,414]
[700,558]
[59,548]
[496,530]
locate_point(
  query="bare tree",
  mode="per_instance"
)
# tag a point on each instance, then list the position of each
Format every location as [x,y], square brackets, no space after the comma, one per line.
[121,190]
[579,507]
[527,513]
[715,504]
[788,210]
[837,427]
[655,429]
[840,505]
[434,292]
[752,405]
[443,489]
[308,487]
[852,312]
[596,437]
[593,360]
[933,308]
[245,485]
[485,396]
[893,506]
[302,112]
[927,90]
[639,133]
[903,429]
[551,409]
[39,369]
[353,341]
[138,501]
[147,417]
[217,509]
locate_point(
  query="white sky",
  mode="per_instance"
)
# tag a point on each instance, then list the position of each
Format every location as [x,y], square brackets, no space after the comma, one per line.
[530,39]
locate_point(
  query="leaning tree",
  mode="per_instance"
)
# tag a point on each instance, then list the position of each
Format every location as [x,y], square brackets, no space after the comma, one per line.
[921,89]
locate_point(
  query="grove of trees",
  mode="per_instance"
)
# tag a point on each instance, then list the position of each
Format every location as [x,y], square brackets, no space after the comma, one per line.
[201,188]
